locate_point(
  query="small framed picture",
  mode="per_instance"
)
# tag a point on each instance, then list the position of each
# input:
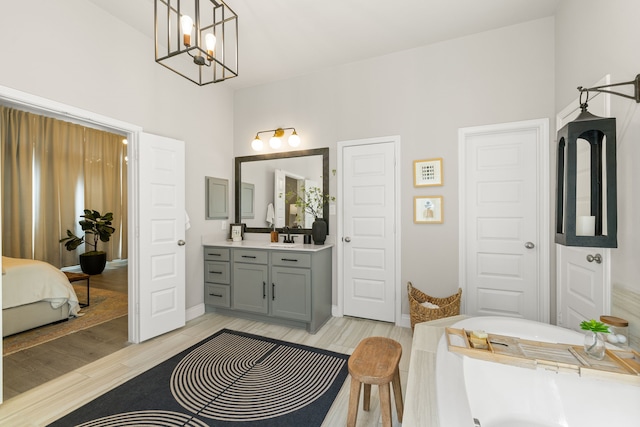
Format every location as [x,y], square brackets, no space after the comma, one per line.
[236,232]
[427,210]
[427,172]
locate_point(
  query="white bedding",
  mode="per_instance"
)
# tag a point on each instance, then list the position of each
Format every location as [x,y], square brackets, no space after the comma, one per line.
[25,281]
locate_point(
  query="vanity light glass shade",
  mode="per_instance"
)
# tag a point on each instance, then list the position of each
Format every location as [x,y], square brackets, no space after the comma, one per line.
[586,189]
[294,139]
[257,144]
[275,142]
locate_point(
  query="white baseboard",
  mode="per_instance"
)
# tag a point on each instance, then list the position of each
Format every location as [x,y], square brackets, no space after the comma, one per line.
[193,312]
[405,319]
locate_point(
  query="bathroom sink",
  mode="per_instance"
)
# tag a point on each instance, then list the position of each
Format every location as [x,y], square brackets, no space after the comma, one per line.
[284,245]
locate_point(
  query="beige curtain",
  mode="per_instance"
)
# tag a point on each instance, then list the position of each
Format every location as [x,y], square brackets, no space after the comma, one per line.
[16,136]
[53,170]
[105,183]
[57,189]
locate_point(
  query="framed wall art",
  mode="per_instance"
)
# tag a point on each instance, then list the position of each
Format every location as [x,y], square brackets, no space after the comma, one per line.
[427,172]
[236,232]
[427,210]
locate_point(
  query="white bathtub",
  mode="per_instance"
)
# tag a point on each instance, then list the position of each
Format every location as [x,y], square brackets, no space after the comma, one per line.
[499,395]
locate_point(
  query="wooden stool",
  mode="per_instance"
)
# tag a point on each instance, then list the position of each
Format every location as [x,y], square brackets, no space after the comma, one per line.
[375,361]
[75,277]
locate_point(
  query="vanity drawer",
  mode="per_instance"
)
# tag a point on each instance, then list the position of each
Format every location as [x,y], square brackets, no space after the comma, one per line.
[217,272]
[216,254]
[291,259]
[250,256]
[218,295]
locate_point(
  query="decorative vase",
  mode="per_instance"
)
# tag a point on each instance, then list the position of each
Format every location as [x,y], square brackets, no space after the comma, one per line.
[594,345]
[319,231]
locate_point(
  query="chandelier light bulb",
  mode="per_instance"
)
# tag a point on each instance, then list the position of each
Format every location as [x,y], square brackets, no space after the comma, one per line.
[210,41]
[294,139]
[257,144]
[187,26]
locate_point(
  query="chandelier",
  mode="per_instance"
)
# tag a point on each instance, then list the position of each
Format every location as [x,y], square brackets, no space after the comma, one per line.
[197,39]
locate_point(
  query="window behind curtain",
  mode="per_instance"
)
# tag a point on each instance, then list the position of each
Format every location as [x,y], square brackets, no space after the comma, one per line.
[51,171]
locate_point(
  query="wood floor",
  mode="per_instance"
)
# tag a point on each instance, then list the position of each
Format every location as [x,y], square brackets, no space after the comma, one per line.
[50,401]
[32,367]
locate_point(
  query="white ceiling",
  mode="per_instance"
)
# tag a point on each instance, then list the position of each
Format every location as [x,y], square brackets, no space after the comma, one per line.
[279,39]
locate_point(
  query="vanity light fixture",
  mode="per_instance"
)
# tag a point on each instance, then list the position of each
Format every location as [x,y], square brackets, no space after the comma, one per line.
[586,181]
[197,39]
[275,141]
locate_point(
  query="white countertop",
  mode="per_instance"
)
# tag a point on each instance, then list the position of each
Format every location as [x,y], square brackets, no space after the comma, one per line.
[258,244]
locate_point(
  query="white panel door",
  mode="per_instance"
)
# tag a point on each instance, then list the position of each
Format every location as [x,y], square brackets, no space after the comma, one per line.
[162,234]
[500,211]
[581,287]
[368,198]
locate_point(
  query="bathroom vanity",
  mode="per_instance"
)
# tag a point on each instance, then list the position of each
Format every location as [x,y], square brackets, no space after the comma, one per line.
[288,284]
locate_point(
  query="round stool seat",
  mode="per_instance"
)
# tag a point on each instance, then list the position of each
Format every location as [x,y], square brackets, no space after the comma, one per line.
[375,361]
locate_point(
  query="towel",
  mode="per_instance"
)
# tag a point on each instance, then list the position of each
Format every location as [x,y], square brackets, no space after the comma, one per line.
[270,214]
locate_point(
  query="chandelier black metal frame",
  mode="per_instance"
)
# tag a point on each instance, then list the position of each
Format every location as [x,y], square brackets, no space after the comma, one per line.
[197,39]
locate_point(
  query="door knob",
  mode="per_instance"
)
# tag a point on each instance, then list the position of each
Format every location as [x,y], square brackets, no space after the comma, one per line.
[347,239]
[181,242]
[597,258]
[529,245]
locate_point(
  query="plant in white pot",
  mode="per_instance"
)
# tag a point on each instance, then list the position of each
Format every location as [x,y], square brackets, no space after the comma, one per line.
[96,227]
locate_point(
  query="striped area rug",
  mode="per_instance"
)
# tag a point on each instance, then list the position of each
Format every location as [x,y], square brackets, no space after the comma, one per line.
[229,379]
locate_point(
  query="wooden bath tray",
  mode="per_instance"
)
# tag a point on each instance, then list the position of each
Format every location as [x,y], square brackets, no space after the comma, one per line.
[619,365]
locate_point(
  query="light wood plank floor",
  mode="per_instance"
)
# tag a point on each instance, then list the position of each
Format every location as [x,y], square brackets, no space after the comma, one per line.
[50,401]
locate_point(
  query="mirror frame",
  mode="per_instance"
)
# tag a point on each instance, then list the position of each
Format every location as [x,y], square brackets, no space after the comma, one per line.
[324,152]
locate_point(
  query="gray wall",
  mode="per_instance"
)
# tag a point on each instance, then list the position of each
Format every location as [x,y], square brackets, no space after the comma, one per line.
[424,95]
[72,52]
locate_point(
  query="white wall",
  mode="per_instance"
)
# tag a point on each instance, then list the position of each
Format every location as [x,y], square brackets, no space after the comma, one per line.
[424,95]
[73,52]
[594,38]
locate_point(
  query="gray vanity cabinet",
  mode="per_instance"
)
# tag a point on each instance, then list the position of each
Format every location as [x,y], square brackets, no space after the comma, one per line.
[250,281]
[217,277]
[289,287]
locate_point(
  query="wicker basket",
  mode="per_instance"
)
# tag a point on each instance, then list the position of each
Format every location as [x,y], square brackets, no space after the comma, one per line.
[449,306]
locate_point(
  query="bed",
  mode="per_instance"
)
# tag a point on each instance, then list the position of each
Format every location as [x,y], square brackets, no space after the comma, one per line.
[34,293]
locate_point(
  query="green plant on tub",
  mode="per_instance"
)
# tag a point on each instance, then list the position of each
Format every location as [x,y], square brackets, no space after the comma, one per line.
[594,326]
[594,341]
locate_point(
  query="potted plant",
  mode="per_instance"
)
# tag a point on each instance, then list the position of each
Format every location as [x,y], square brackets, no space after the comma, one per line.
[593,339]
[96,227]
[313,202]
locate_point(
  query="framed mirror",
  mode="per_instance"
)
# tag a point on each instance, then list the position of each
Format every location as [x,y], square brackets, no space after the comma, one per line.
[272,179]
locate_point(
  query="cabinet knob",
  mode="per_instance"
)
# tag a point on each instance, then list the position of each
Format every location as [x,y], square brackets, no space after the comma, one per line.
[181,242]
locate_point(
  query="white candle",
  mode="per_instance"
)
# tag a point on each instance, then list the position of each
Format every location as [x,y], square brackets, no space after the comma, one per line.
[586,226]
